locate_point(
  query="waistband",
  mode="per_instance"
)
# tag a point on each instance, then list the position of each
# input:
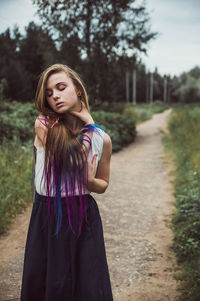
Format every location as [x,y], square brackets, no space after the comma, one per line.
[43,198]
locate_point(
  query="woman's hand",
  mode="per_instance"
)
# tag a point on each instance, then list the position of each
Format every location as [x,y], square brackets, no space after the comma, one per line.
[91,171]
[83,114]
[99,181]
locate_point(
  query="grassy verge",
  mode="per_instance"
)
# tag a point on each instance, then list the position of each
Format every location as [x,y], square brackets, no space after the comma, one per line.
[184,140]
[15,180]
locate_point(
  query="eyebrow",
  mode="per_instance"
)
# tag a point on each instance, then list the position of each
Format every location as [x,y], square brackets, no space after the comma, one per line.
[63,83]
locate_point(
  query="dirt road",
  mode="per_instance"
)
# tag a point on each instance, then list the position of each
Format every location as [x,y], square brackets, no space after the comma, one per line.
[134,211]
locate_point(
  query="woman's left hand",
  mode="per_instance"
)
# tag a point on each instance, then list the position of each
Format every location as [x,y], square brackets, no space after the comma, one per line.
[91,170]
[83,114]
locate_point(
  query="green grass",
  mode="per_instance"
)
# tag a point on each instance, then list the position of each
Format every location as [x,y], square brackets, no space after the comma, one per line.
[142,112]
[15,180]
[184,141]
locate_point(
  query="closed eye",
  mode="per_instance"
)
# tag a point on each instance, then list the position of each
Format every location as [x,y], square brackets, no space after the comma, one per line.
[60,89]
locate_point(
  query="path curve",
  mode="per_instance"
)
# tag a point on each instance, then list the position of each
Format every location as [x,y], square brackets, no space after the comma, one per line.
[134,208]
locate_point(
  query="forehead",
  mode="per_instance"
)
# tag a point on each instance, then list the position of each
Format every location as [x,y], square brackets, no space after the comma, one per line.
[56,78]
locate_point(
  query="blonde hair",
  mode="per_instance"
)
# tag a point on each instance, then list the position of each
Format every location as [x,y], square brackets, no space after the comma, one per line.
[65,153]
[40,98]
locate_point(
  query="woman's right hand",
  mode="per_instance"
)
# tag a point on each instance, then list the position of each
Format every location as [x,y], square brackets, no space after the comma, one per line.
[84,115]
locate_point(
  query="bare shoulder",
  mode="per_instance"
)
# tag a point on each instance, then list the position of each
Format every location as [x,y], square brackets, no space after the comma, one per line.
[41,122]
[107,140]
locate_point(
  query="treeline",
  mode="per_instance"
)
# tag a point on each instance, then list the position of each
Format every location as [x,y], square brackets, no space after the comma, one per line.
[186,87]
[101,41]
[23,58]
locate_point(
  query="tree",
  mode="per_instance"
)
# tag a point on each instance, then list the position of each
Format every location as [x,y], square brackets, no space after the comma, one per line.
[37,51]
[186,87]
[10,68]
[114,26]
[23,58]
[95,35]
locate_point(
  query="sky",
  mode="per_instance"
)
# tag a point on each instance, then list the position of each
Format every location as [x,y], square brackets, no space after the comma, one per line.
[176,48]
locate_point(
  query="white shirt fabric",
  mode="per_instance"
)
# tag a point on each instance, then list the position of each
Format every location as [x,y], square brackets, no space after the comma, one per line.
[97,147]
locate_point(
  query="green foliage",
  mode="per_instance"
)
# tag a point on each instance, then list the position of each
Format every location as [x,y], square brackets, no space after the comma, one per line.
[137,113]
[190,91]
[186,88]
[17,119]
[72,34]
[15,179]
[122,130]
[184,127]
[83,20]
[3,85]
[114,107]
[143,112]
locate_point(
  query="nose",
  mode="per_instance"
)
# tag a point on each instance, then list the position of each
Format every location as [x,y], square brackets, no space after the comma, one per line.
[55,95]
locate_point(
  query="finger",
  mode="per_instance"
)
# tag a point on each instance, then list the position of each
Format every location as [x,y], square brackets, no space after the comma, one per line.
[94,158]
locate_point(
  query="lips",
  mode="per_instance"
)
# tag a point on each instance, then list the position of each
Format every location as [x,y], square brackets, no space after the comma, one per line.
[59,104]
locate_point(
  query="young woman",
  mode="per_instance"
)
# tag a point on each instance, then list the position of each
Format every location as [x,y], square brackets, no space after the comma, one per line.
[65,256]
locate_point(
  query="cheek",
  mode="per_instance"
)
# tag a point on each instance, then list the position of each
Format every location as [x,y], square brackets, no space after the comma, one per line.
[49,101]
[73,97]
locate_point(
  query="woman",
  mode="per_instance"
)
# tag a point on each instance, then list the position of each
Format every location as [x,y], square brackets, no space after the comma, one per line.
[65,256]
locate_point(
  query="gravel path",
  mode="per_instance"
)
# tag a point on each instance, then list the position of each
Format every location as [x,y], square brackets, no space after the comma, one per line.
[133,209]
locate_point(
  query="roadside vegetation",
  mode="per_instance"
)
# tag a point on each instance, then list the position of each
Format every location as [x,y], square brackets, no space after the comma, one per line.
[184,141]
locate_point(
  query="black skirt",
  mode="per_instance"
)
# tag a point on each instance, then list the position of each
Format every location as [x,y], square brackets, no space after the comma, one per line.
[62,267]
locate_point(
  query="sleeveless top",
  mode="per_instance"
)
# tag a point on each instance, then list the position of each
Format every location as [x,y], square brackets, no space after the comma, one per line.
[97,147]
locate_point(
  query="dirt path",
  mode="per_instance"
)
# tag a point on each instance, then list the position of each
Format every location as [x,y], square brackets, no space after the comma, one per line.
[134,211]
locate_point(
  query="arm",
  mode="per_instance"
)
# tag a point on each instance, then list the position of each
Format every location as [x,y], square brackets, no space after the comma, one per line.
[41,132]
[98,183]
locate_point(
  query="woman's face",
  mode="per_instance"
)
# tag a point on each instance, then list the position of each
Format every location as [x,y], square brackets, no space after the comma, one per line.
[61,94]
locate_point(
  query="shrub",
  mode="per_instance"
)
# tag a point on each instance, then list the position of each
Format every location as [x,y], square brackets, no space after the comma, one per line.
[122,130]
[17,119]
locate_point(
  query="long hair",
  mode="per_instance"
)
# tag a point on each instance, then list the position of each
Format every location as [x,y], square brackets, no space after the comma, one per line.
[66,151]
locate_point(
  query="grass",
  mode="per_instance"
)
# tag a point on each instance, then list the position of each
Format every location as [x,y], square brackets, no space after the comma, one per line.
[184,140]
[15,180]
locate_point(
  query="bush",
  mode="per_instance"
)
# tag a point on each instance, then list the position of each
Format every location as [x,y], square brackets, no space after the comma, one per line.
[113,107]
[17,119]
[122,130]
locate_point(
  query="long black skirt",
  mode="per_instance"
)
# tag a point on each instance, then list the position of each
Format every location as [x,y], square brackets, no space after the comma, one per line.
[64,268]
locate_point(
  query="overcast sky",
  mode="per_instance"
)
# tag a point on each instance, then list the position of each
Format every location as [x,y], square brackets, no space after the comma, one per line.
[176,49]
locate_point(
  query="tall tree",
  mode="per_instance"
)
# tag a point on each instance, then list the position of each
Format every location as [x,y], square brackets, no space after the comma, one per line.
[37,51]
[115,26]
[99,33]
[10,68]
